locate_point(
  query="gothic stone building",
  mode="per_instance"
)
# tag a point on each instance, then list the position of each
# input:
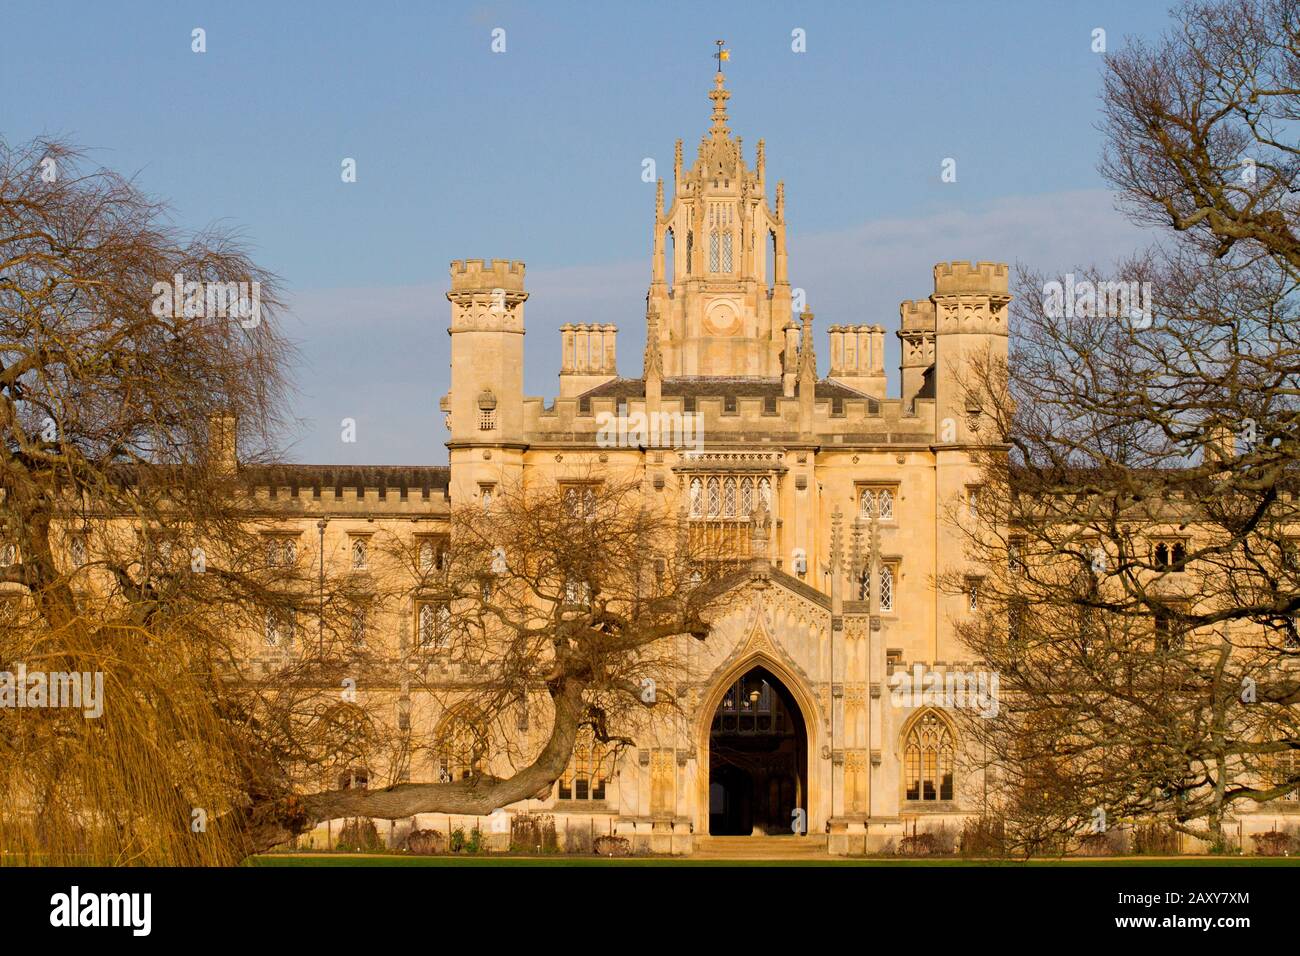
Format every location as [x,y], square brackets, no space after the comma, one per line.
[789,715]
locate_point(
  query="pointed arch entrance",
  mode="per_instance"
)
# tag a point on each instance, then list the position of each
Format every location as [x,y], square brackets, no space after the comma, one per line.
[754,742]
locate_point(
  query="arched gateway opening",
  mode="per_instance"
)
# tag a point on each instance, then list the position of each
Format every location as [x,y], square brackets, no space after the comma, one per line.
[758,758]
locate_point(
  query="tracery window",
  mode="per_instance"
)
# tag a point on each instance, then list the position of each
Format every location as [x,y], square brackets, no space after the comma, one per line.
[1169,628]
[1016,555]
[928,757]
[886,591]
[580,500]
[715,498]
[279,627]
[726,252]
[281,552]
[867,503]
[577,593]
[1170,555]
[434,625]
[713,251]
[697,498]
[357,778]
[358,554]
[729,497]
[1286,768]
[765,492]
[690,250]
[885,504]
[587,772]
[459,747]
[877,502]
[747,496]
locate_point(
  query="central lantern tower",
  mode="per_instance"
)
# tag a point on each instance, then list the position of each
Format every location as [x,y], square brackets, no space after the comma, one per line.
[719,286]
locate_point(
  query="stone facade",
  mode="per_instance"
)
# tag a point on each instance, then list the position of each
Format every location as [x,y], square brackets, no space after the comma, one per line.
[861,489]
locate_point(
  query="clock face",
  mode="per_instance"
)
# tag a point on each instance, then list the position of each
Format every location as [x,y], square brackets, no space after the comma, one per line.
[722,318]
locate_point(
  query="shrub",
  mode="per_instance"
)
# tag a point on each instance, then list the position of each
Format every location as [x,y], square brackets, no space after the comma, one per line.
[1096,844]
[475,842]
[360,836]
[918,844]
[612,846]
[1274,843]
[457,842]
[426,842]
[533,833]
[945,841]
[1154,839]
[983,836]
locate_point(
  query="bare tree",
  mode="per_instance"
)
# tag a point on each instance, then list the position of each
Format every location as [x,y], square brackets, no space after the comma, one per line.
[557,612]
[1140,585]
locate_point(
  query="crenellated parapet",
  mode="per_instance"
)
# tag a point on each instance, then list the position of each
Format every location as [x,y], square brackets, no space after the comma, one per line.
[971,298]
[487,295]
[478,274]
[962,278]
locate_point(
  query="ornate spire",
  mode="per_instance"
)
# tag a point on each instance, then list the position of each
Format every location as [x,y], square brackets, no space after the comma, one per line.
[719,96]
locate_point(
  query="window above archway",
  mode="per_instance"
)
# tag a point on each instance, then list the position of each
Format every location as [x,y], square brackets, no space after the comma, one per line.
[929,755]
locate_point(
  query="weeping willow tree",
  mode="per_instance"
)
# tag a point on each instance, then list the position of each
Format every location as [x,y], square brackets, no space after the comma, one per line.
[132,361]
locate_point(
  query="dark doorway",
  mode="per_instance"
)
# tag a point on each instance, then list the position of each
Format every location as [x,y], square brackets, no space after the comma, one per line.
[758,758]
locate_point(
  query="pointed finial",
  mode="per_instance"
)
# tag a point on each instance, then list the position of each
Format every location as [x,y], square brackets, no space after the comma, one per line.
[719,97]
[855,550]
[807,360]
[653,360]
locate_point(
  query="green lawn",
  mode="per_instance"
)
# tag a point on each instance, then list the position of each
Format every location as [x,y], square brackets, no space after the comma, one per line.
[342,859]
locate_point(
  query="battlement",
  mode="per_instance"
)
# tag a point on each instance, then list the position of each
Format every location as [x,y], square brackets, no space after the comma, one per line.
[961,278]
[478,274]
[916,315]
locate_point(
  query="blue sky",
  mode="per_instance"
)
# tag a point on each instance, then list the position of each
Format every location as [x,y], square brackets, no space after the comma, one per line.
[536,154]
